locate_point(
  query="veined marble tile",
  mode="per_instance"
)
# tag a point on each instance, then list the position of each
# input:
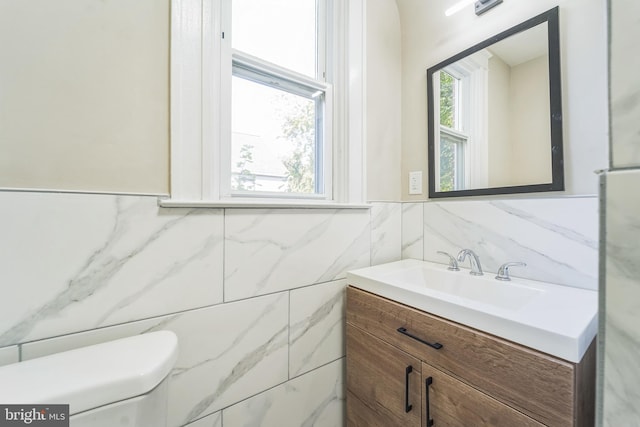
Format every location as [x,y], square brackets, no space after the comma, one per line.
[625,84]
[313,399]
[226,353]
[273,250]
[9,355]
[45,347]
[557,238]
[81,261]
[412,230]
[316,326]
[386,232]
[622,296]
[213,420]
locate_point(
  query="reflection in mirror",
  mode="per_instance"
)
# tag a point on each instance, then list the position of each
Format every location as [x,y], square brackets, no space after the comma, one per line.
[495,123]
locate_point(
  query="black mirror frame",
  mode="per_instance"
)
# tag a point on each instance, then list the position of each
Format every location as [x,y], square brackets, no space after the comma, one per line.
[555,98]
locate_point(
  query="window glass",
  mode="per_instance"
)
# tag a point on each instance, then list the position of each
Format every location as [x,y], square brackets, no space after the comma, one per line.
[452,164]
[282,32]
[453,142]
[273,139]
[277,116]
[448,100]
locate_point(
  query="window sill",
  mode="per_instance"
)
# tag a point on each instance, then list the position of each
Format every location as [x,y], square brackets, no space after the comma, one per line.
[262,204]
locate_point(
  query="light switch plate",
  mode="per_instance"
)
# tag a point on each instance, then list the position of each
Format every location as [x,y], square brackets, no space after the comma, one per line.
[415,182]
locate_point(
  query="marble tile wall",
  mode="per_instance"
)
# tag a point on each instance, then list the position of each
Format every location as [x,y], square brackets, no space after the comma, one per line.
[227,352]
[622,301]
[316,326]
[269,251]
[624,90]
[386,232]
[285,406]
[9,355]
[255,296]
[213,420]
[80,262]
[619,380]
[413,230]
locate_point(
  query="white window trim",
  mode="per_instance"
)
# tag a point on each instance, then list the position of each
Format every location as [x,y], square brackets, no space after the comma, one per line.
[198,122]
[461,160]
[473,73]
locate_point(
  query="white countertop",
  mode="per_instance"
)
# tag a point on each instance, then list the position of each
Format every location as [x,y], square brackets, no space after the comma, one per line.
[555,319]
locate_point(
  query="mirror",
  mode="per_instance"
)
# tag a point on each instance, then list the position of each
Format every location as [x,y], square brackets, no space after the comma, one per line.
[495,114]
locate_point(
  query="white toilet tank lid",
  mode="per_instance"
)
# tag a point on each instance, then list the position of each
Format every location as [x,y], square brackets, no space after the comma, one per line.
[89,377]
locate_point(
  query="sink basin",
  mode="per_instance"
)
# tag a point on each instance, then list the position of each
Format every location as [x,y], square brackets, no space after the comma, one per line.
[555,319]
[483,289]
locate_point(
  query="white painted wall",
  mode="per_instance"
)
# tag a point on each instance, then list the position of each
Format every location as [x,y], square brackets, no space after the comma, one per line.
[499,149]
[85,100]
[529,123]
[84,95]
[429,37]
[384,85]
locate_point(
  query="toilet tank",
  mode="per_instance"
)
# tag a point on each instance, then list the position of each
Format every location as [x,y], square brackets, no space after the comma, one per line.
[111,378]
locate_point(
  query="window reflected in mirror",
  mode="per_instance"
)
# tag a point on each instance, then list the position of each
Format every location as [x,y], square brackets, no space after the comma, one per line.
[452,136]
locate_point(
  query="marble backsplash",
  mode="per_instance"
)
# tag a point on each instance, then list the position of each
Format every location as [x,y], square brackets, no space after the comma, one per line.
[556,237]
[256,296]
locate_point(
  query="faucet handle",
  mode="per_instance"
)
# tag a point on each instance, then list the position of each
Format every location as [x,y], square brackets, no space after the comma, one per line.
[503,271]
[453,263]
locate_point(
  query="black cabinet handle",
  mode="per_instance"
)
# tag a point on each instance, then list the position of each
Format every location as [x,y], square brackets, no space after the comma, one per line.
[435,345]
[407,371]
[428,382]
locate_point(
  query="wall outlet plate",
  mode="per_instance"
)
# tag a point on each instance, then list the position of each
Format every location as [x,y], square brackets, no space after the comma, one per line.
[415,182]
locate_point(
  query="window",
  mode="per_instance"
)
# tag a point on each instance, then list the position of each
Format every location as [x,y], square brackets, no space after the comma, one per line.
[267,102]
[279,136]
[453,139]
[280,142]
[461,141]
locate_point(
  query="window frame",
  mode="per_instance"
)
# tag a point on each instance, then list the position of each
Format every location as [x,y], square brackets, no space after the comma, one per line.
[200,121]
[459,141]
[456,135]
[472,73]
[259,71]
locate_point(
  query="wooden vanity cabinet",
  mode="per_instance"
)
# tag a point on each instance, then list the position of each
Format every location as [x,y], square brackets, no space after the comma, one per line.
[456,404]
[386,380]
[476,379]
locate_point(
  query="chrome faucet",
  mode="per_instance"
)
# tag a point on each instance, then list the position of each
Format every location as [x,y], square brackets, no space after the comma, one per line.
[453,264]
[503,271]
[476,268]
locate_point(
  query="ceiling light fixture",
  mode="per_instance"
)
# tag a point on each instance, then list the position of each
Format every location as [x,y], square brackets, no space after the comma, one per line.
[483,5]
[457,7]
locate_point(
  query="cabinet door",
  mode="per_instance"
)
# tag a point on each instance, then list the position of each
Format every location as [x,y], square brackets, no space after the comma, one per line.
[452,403]
[383,383]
